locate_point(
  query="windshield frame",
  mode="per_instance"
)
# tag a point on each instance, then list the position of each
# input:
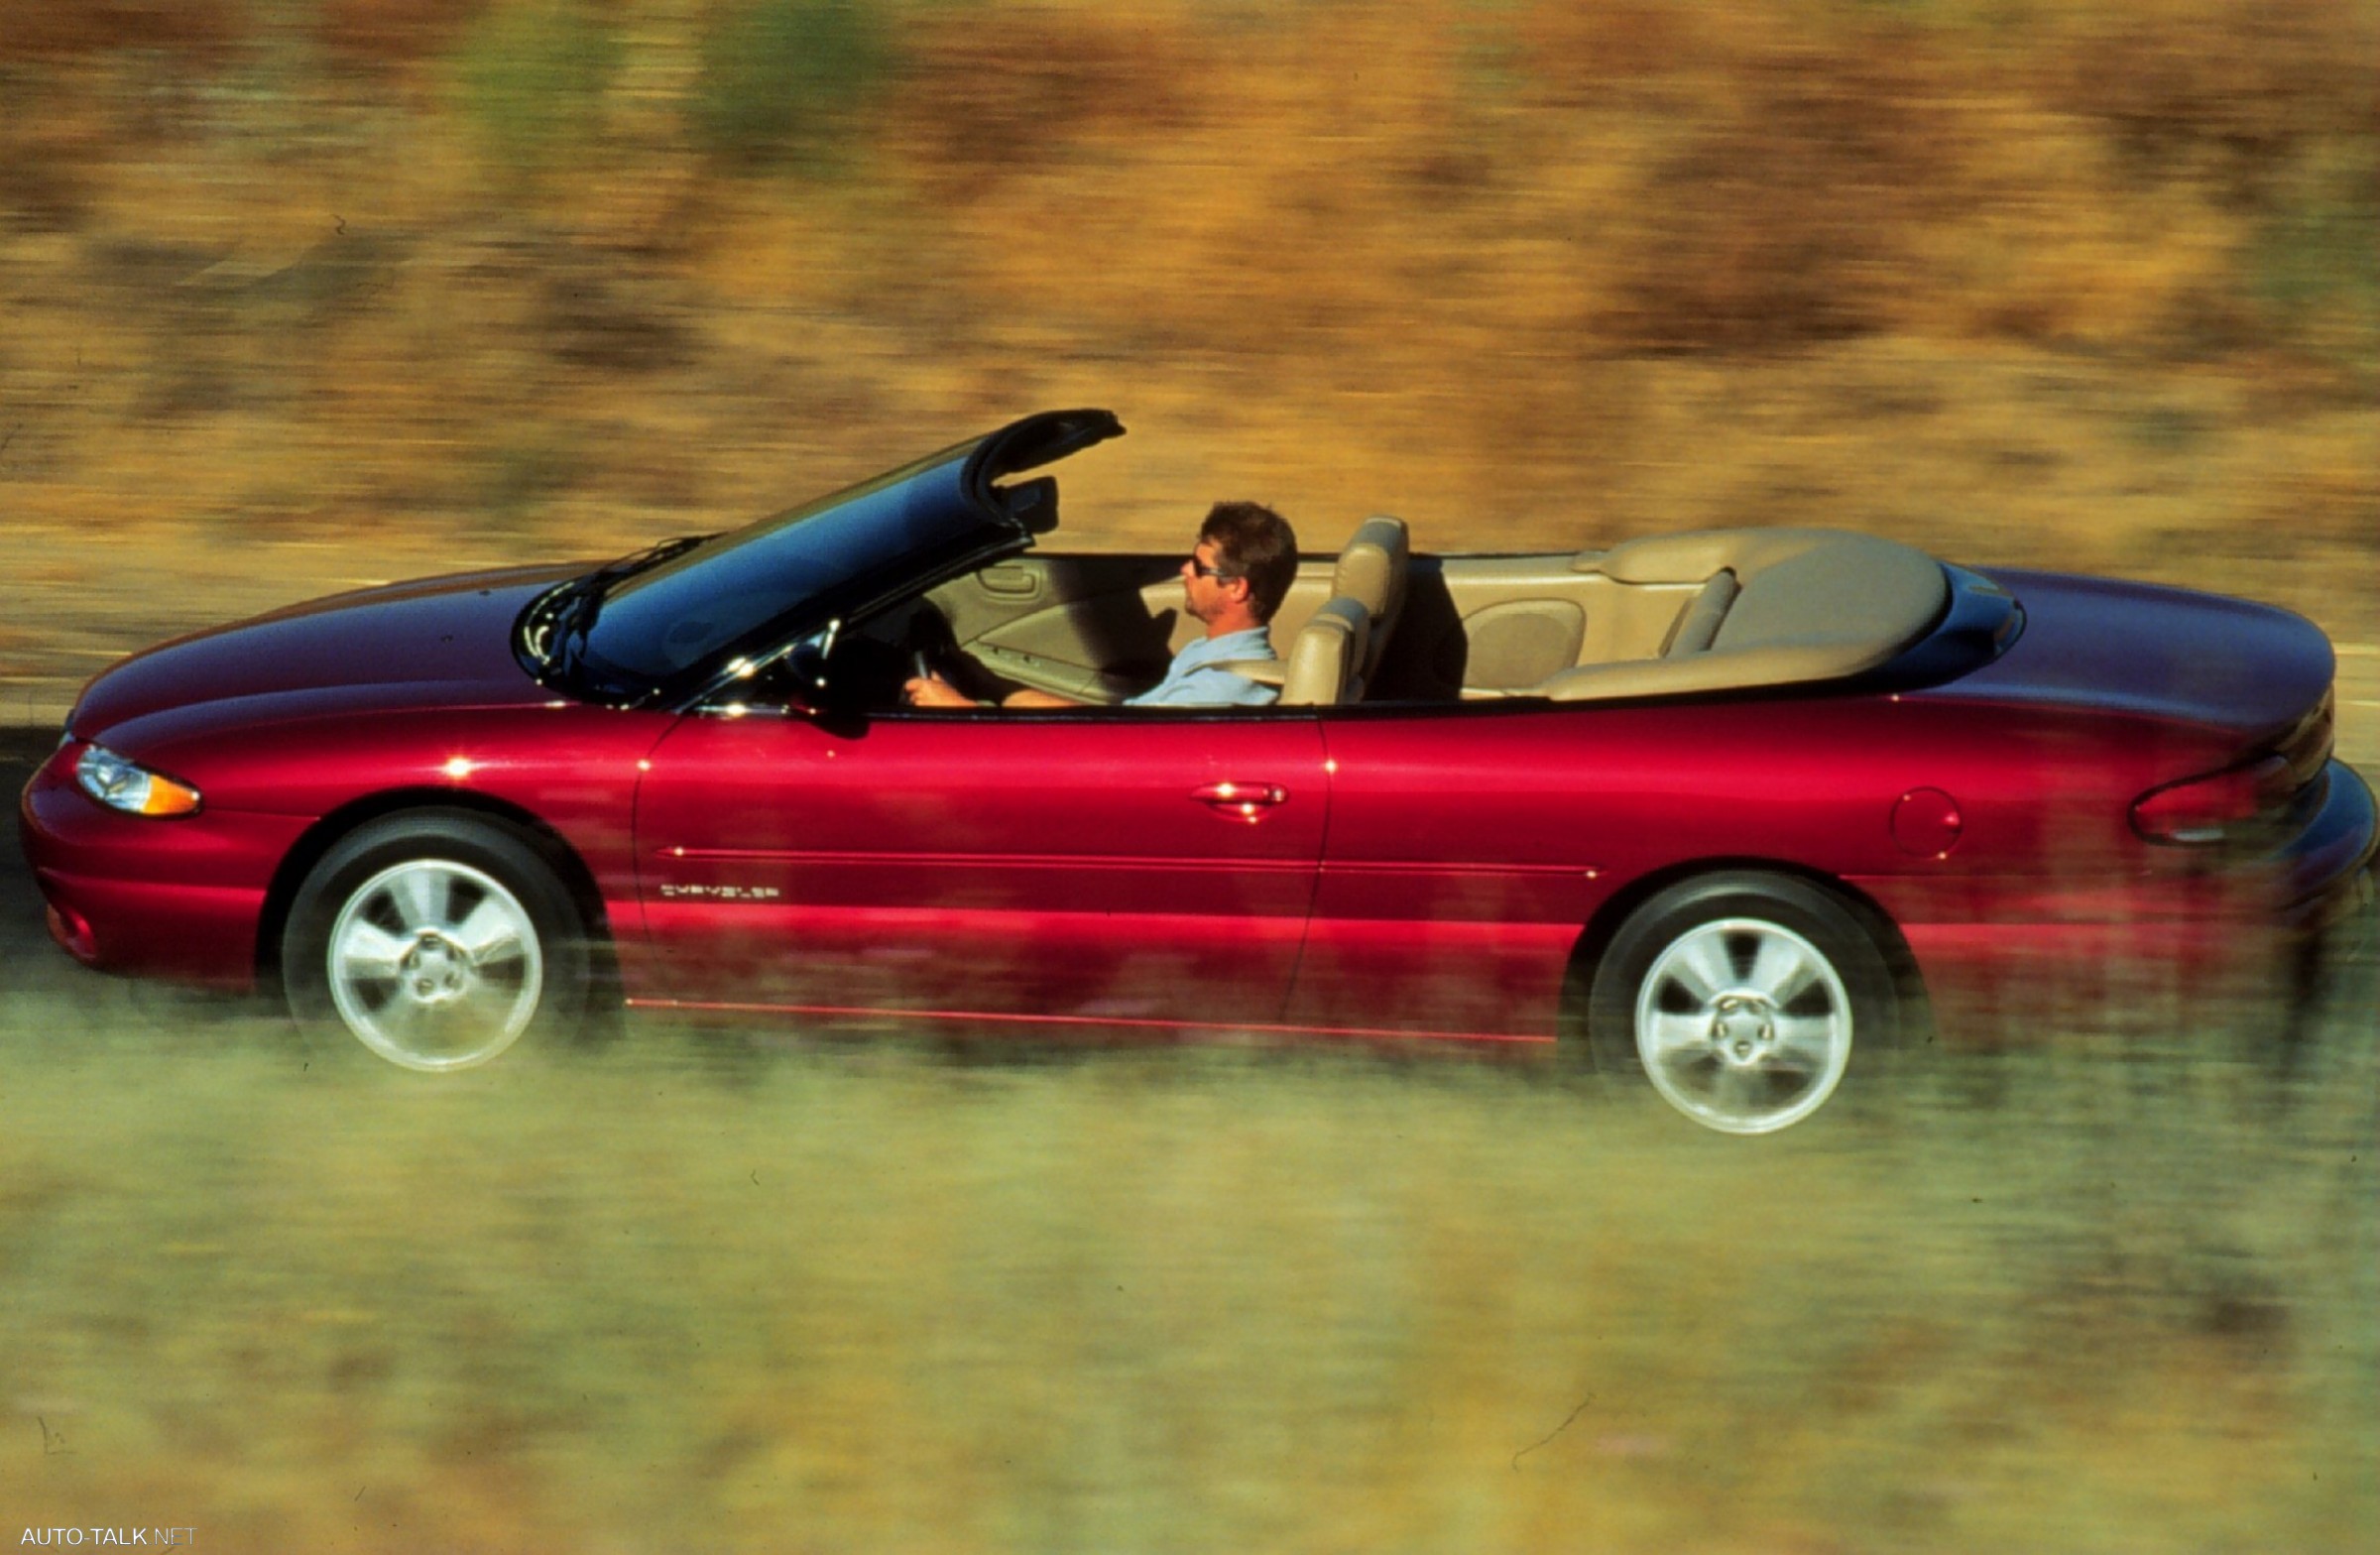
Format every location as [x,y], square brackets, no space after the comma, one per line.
[839,556]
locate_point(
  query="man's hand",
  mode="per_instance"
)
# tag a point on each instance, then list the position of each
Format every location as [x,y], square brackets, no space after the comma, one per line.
[934,692]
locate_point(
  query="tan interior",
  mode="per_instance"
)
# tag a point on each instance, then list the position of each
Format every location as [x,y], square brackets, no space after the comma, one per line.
[1326,658]
[1765,606]
[1669,614]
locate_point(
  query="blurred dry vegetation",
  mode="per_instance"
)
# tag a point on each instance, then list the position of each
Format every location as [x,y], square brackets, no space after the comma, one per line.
[305,291]
[695,1295]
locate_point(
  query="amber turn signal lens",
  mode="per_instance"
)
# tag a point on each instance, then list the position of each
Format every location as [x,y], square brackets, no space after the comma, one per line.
[126,786]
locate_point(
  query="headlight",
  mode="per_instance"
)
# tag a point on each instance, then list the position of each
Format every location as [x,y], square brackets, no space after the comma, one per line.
[125,786]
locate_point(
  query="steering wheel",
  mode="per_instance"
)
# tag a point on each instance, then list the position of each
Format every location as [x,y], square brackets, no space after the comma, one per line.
[931,644]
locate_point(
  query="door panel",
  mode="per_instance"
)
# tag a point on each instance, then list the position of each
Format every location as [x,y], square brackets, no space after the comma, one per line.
[1462,867]
[1076,867]
[1060,622]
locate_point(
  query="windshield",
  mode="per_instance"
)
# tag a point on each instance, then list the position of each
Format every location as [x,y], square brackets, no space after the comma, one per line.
[779,575]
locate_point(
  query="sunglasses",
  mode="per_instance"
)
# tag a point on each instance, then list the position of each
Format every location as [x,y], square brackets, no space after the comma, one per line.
[1203,570]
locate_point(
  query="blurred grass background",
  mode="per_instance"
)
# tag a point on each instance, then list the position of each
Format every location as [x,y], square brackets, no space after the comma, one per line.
[695,1292]
[305,291]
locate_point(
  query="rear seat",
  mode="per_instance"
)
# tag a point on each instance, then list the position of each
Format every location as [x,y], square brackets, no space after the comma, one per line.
[1796,605]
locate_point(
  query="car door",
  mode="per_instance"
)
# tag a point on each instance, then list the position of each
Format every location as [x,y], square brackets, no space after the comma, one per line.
[1113,866]
[1465,854]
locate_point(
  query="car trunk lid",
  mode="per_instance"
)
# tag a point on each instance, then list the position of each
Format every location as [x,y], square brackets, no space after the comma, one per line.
[2254,673]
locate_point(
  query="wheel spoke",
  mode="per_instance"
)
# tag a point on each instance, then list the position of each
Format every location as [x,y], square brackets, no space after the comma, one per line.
[492,932]
[401,1022]
[1685,1072]
[1701,965]
[1672,1039]
[1742,1093]
[485,1010]
[1806,1045]
[420,896]
[367,952]
[1782,969]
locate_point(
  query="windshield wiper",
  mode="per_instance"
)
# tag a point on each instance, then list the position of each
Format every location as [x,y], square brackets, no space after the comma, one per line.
[563,618]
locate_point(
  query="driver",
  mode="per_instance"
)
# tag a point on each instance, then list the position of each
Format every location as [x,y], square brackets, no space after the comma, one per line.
[1235,579]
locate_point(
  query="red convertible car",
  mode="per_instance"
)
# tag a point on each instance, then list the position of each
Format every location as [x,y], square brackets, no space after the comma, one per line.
[1732,809]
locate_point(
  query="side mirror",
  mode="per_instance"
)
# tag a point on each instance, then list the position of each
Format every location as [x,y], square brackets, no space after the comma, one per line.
[802,672]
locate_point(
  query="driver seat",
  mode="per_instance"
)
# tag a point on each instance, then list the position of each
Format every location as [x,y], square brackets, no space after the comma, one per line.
[1372,572]
[1326,660]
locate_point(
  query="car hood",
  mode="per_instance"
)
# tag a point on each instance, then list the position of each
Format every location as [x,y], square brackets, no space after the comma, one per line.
[435,642]
[2208,659]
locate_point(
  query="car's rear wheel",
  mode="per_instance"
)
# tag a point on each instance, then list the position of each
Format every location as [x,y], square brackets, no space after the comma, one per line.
[437,939]
[1742,997]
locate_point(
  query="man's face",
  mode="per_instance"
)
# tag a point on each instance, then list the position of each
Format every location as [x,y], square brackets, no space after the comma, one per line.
[1205,590]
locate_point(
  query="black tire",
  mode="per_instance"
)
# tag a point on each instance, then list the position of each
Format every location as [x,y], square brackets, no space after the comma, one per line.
[1743,998]
[436,939]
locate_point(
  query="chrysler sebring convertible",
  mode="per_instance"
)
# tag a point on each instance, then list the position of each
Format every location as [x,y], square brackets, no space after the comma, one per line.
[1734,810]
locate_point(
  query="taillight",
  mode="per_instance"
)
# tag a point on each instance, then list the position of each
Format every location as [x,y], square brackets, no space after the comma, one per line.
[2203,809]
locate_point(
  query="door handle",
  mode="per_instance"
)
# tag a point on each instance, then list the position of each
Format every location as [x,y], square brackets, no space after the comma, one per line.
[1246,801]
[1009,582]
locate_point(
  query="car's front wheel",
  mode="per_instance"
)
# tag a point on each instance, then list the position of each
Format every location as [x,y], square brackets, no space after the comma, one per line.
[436,939]
[1742,997]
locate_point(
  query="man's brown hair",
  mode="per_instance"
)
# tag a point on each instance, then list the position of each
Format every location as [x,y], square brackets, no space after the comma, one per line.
[1255,542]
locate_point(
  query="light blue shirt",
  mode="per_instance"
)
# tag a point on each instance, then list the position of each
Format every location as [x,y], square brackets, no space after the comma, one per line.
[1193,681]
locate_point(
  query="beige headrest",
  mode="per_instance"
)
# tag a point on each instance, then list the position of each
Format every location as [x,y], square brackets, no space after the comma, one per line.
[1372,569]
